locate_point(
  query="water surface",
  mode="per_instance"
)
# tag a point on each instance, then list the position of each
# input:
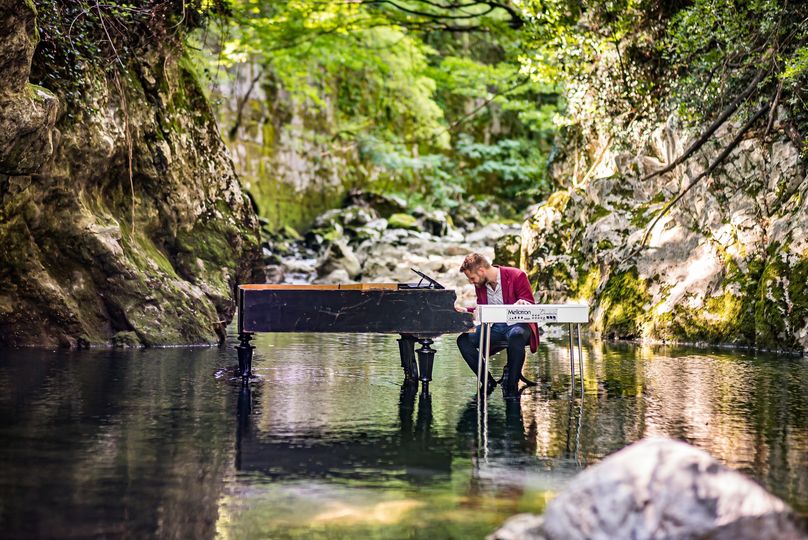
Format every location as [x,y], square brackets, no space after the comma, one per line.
[326,442]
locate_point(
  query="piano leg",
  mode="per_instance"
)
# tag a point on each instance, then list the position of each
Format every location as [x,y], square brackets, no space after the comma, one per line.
[426,357]
[245,353]
[406,349]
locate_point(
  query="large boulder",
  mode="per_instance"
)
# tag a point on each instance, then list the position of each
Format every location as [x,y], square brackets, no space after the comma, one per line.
[657,489]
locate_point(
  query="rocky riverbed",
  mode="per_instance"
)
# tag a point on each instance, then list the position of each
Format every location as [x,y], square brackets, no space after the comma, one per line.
[374,238]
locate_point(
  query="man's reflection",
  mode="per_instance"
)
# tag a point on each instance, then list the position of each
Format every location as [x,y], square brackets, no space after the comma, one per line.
[493,428]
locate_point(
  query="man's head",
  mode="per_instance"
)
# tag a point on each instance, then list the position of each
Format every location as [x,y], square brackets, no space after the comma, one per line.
[477,269]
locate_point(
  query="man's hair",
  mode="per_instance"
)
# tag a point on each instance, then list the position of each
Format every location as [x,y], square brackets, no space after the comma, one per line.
[473,261]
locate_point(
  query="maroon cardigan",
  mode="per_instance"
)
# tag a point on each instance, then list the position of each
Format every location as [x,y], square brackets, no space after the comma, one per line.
[515,286]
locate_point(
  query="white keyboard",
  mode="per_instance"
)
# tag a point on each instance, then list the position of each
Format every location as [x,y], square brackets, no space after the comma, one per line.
[532,313]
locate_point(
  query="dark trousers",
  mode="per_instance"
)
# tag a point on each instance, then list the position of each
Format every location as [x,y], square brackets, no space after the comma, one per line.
[514,338]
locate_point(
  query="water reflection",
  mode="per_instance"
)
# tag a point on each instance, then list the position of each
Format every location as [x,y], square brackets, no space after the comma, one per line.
[328,442]
[411,453]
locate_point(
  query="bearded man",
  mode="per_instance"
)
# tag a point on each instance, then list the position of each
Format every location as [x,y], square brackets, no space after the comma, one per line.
[496,284]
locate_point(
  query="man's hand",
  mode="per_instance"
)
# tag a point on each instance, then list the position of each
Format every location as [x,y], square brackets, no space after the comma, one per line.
[460,309]
[521,302]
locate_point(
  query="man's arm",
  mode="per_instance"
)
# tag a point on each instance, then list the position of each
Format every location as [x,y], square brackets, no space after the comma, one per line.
[524,293]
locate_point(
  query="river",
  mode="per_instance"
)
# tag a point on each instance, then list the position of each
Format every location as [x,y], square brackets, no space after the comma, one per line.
[327,443]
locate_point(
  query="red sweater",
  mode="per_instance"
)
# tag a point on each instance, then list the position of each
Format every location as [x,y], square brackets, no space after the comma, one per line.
[515,286]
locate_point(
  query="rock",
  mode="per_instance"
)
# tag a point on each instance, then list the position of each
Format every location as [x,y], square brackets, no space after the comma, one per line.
[726,264]
[126,340]
[492,233]
[27,112]
[467,216]
[402,221]
[275,273]
[337,256]
[520,527]
[371,230]
[436,222]
[86,255]
[337,276]
[350,217]
[384,205]
[296,266]
[507,250]
[394,236]
[660,488]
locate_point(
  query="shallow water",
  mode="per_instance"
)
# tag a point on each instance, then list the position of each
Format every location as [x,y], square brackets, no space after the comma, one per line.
[327,442]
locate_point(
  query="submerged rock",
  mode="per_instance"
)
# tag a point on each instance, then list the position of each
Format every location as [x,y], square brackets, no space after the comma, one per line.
[658,488]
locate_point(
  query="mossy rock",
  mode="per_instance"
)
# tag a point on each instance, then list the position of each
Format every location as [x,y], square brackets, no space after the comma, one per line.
[781,309]
[718,320]
[126,340]
[507,250]
[623,303]
[402,221]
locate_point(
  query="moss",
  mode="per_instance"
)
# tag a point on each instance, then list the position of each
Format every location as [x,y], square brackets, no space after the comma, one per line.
[507,250]
[782,304]
[623,302]
[558,200]
[642,216]
[291,233]
[605,244]
[126,339]
[36,92]
[402,221]
[717,321]
[587,284]
[599,212]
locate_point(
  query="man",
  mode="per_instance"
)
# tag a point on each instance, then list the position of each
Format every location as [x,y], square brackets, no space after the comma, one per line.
[499,285]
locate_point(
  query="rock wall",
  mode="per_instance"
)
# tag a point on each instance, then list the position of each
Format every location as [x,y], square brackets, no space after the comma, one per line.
[287,157]
[92,255]
[727,264]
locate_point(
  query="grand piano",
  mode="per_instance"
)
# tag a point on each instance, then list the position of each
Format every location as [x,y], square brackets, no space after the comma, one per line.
[418,312]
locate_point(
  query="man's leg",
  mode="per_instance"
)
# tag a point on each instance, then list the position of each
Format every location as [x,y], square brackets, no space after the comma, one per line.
[469,345]
[518,337]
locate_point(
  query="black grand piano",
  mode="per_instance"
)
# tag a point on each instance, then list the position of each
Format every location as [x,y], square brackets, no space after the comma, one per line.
[417,311]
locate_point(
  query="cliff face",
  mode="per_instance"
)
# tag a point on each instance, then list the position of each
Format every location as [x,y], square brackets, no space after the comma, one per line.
[285,155]
[98,249]
[727,264]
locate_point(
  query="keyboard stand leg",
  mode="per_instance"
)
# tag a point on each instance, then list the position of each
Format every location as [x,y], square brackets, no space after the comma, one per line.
[426,357]
[406,350]
[245,353]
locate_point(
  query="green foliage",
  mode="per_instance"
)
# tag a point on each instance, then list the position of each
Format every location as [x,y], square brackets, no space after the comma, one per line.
[80,36]
[431,115]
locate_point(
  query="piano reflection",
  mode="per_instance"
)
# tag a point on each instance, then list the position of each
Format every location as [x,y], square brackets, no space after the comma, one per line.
[417,311]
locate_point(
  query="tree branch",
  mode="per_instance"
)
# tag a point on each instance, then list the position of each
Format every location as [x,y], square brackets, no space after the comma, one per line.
[725,114]
[721,157]
[242,103]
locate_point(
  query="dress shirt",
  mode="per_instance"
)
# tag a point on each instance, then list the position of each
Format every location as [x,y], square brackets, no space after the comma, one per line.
[495,294]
